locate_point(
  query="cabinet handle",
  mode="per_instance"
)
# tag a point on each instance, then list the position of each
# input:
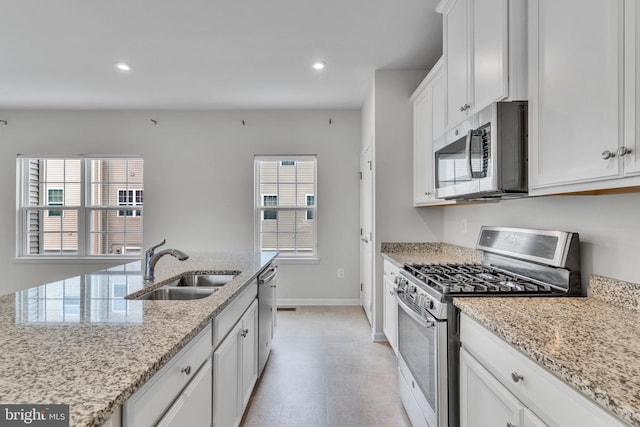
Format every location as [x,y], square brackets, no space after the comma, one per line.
[427,193]
[606,154]
[465,107]
[516,377]
[511,425]
[186,370]
[244,333]
[623,151]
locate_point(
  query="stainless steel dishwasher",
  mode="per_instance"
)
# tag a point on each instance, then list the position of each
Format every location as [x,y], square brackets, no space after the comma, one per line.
[266,313]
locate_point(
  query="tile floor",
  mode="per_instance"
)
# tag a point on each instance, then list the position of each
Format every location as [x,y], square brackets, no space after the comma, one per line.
[325,371]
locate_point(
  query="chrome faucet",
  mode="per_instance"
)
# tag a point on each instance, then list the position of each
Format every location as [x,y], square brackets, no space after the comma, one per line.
[151,258]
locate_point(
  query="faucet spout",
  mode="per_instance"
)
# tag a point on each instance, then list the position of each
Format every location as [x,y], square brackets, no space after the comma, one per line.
[151,259]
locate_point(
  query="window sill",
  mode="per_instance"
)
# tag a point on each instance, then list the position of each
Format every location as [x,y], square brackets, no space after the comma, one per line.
[291,260]
[73,260]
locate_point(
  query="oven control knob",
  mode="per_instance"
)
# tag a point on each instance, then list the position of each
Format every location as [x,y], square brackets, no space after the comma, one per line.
[412,289]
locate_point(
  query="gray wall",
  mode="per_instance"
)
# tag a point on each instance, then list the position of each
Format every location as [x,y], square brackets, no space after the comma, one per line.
[395,218]
[199,183]
[609,227]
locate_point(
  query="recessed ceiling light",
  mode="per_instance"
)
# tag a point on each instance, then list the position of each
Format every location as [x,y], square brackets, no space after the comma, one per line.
[122,66]
[319,65]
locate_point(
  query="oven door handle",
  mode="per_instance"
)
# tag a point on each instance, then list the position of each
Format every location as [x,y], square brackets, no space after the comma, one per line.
[427,322]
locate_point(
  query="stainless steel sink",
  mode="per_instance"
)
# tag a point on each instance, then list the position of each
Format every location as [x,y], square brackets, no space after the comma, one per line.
[204,280]
[177,293]
[190,286]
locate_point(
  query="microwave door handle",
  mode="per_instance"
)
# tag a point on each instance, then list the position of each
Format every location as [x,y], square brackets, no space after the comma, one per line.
[468,153]
[473,135]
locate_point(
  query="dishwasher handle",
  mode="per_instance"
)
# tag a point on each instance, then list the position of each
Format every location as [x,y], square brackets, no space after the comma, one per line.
[268,276]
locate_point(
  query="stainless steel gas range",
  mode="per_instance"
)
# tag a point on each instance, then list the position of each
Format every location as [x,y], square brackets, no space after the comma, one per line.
[516,262]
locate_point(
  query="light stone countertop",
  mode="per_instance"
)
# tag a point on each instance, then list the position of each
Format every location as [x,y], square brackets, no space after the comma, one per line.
[78,342]
[591,343]
[427,253]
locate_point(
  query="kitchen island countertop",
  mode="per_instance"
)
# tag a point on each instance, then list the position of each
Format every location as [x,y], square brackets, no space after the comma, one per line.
[79,342]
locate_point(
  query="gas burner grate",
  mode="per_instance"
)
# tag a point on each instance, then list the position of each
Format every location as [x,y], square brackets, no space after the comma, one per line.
[473,279]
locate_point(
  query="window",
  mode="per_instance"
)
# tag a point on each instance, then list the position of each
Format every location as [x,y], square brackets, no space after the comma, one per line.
[130,198]
[89,194]
[55,197]
[285,205]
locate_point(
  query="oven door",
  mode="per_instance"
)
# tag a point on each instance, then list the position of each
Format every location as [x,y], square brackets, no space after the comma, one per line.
[422,359]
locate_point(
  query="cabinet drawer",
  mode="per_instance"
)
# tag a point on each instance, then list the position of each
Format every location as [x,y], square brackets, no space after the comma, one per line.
[147,405]
[554,401]
[224,321]
[390,270]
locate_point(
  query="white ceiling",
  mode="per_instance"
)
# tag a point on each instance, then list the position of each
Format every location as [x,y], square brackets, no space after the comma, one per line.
[207,54]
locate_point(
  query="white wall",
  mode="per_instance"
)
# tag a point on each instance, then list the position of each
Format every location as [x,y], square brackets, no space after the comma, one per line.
[609,227]
[390,112]
[199,182]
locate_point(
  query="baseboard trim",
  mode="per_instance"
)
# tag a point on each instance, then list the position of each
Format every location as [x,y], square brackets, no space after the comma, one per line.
[378,337]
[288,302]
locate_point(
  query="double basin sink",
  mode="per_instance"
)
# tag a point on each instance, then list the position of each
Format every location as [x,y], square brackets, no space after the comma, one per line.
[190,286]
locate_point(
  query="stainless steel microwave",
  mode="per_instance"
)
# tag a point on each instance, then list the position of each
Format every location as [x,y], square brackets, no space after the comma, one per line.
[485,157]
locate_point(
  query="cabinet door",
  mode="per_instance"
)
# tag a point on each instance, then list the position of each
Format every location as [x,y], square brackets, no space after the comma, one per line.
[249,342]
[390,314]
[193,406]
[422,133]
[226,384]
[484,402]
[631,161]
[489,54]
[438,105]
[575,67]
[428,124]
[456,41]
[529,419]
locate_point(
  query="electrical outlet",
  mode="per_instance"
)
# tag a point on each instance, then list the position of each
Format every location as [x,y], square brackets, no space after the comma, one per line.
[341,272]
[463,225]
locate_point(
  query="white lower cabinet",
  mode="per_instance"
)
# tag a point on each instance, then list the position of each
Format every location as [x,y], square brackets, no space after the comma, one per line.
[193,404]
[529,419]
[235,366]
[390,305]
[173,387]
[500,386]
[484,402]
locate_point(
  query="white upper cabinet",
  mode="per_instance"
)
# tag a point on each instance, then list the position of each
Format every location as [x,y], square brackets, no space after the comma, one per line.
[485,54]
[457,53]
[631,161]
[428,124]
[583,105]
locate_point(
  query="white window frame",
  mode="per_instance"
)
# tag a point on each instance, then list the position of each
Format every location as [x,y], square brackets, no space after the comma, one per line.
[313,257]
[84,210]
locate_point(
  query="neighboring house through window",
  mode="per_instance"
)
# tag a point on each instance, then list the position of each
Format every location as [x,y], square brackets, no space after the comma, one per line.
[55,197]
[90,193]
[310,202]
[130,198]
[285,205]
[269,200]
